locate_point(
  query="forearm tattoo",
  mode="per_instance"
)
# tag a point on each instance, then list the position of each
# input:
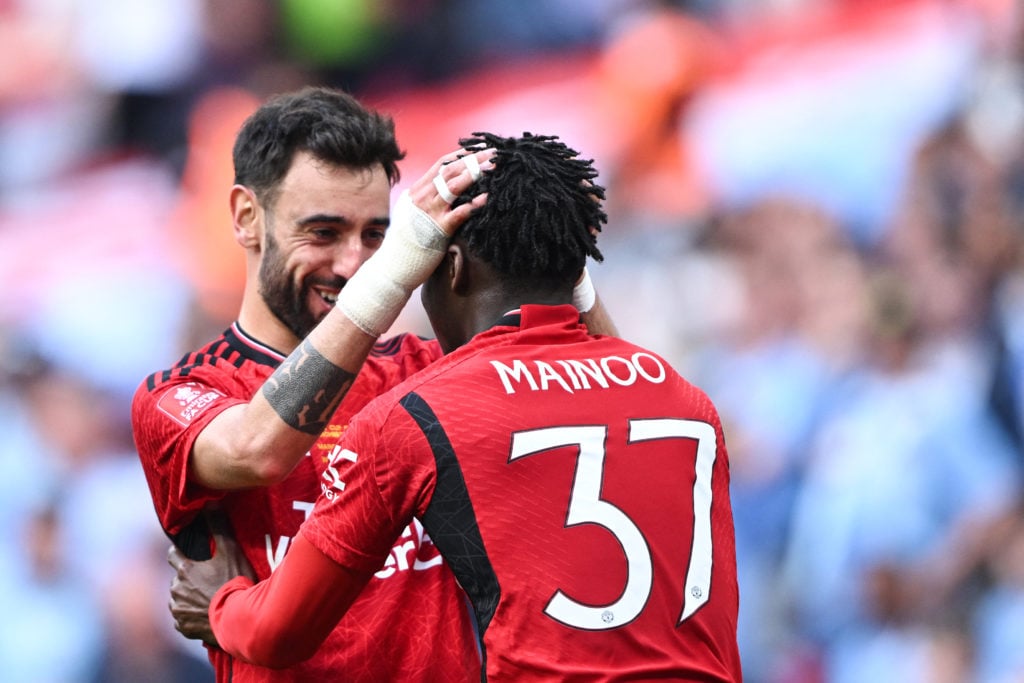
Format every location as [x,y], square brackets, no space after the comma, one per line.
[306,389]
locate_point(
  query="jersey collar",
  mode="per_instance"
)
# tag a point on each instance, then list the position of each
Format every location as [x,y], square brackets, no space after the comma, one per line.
[534,315]
[249,347]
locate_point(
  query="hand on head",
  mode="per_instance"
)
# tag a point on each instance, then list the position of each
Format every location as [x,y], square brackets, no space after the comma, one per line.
[423,222]
[450,176]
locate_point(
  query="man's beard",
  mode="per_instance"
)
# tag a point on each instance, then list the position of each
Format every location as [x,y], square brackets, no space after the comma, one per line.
[286,301]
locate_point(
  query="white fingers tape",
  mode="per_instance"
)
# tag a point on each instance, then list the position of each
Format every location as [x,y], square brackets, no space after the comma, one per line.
[442,189]
[473,165]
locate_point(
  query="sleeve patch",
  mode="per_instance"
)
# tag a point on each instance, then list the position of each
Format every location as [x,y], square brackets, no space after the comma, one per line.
[185,402]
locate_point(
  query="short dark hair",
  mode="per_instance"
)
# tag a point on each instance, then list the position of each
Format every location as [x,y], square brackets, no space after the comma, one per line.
[542,213]
[330,124]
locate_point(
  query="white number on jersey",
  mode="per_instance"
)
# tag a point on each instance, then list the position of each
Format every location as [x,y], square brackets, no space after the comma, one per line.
[586,506]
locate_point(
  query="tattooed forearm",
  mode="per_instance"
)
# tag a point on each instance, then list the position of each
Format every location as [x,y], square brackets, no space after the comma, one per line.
[306,389]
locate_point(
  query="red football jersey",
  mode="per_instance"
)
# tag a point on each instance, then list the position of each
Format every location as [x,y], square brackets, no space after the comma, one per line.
[411,622]
[577,486]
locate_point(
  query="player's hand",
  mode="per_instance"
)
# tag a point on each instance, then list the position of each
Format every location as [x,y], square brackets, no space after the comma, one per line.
[451,175]
[196,581]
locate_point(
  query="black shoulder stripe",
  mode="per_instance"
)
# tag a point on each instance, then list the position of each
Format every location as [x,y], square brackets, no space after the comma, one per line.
[392,345]
[450,519]
[389,346]
[184,370]
[219,349]
[222,349]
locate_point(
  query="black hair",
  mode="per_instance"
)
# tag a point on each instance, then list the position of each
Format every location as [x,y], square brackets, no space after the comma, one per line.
[542,213]
[330,124]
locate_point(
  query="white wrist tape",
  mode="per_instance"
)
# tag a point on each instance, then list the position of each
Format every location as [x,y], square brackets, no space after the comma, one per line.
[412,249]
[584,296]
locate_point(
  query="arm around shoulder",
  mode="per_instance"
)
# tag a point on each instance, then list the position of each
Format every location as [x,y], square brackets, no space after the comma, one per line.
[283,620]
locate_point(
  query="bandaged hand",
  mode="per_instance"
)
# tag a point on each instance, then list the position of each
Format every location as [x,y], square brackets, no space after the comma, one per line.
[422,223]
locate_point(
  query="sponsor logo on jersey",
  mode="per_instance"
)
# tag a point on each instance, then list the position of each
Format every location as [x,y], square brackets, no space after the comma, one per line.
[185,402]
[330,482]
[276,553]
[414,552]
[575,375]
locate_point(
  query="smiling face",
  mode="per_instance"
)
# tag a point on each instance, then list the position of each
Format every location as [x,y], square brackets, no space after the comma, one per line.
[323,224]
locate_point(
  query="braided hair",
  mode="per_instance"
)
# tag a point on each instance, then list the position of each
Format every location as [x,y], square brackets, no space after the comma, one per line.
[542,213]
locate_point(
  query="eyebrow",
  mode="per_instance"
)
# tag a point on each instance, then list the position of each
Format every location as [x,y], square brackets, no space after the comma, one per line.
[331,218]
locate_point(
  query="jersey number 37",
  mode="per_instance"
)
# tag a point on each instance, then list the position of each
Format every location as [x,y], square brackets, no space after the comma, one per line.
[586,506]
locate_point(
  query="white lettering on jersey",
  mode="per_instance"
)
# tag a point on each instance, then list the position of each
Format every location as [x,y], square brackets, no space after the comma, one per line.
[548,374]
[576,375]
[331,483]
[306,507]
[275,554]
[416,541]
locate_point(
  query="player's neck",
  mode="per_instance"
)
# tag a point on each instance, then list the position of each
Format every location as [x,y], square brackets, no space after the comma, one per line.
[263,326]
[496,302]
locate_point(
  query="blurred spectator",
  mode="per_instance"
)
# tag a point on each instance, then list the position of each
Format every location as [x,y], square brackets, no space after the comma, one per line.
[203,243]
[53,633]
[1000,614]
[772,377]
[142,645]
[26,481]
[655,59]
[93,569]
[1008,382]
[904,459]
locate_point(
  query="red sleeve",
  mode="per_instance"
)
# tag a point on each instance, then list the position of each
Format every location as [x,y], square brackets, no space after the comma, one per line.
[378,478]
[283,620]
[166,420]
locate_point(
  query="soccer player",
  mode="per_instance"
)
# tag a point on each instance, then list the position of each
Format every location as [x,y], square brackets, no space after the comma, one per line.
[234,424]
[576,484]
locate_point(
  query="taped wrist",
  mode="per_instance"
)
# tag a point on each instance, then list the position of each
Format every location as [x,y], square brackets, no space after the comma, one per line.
[584,296]
[412,249]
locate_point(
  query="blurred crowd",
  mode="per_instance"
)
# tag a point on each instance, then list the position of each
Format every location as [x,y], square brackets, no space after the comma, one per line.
[816,213]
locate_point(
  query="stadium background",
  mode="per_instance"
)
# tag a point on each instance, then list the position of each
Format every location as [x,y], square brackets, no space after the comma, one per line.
[817,214]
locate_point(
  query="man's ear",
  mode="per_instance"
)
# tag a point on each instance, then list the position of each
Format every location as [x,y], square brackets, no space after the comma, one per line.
[246,217]
[458,269]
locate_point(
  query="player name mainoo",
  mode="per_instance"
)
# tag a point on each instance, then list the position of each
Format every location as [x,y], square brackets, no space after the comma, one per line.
[579,375]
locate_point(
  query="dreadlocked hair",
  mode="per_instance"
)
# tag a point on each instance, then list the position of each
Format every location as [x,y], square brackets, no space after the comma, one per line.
[542,213]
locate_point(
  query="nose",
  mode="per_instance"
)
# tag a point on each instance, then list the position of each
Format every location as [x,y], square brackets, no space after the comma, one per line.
[349,254]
